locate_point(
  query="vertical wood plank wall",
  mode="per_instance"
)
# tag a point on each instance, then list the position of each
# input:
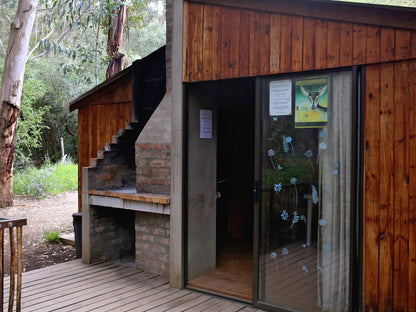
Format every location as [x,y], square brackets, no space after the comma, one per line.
[390,187]
[103,114]
[223,42]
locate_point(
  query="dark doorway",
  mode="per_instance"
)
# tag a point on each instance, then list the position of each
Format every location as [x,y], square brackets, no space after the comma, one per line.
[233,272]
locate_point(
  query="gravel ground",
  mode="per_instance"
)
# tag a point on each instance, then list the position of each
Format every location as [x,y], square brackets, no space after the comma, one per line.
[50,214]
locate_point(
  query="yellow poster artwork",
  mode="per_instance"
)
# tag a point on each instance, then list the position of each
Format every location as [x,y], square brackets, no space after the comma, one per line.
[311,102]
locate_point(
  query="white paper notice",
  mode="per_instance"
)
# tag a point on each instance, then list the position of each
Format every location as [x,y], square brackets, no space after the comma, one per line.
[205,119]
[280,98]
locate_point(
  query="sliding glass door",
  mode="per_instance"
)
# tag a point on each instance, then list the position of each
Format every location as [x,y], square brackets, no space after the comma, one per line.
[306,158]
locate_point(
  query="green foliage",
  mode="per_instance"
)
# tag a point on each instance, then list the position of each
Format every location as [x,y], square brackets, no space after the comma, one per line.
[29,134]
[59,122]
[84,26]
[6,14]
[43,119]
[47,180]
[51,237]
[144,41]
[293,167]
[68,57]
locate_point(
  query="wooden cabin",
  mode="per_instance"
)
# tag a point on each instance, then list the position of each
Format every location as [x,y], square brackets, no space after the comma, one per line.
[96,123]
[287,132]
[118,108]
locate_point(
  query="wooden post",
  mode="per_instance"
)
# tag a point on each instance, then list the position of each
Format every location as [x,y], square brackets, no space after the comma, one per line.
[62,150]
[12,269]
[86,256]
[11,224]
[2,267]
[19,267]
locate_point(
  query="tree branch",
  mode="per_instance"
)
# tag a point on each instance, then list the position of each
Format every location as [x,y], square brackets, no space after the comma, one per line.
[37,45]
[66,31]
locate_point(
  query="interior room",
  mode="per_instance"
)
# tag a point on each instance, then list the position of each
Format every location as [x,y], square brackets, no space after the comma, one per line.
[221,182]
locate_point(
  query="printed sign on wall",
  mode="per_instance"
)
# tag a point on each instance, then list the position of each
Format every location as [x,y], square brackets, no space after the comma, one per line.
[205,122]
[280,98]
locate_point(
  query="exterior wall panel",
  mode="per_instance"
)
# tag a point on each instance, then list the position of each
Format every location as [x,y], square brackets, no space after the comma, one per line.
[389,210]
[223,42]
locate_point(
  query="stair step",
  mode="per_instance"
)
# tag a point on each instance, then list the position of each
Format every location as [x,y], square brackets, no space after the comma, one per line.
[131,125]
[118,143]
[93,162]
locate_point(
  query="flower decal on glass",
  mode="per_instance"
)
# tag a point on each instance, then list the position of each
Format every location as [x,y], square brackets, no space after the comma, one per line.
[315,197]
[295,219]
[328,190]
[304,268]
[303,218]
[289,141]
[309,154]
[293,181]
[326,248]
[277,187]
[285,215]
[335,171]
[285,252]
[322,146]
[270,153]
[285,145]
[322,222]
[322,134]
[274,257]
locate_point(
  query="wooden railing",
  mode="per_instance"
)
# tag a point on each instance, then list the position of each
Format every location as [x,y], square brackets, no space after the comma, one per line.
[15,230]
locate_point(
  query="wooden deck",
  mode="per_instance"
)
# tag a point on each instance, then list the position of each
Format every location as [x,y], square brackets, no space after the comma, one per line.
[74,286]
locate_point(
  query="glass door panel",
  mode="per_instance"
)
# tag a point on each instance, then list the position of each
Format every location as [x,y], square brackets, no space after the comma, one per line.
[305,192]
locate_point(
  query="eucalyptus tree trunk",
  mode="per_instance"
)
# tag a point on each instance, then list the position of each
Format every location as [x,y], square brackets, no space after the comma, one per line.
[11,93]
[118,60]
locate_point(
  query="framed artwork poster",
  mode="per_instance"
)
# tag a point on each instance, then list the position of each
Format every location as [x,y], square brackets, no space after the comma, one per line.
[311,102]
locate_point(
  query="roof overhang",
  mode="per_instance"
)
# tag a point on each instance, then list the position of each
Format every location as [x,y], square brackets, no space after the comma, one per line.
[83,98]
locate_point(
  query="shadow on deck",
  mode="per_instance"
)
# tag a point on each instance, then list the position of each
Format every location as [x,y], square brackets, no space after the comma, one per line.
[74,286]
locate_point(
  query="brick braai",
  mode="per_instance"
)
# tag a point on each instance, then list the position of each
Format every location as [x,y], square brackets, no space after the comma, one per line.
[152,242]
[153,168]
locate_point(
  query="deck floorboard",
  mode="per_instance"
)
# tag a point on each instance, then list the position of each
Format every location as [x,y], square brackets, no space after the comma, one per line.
[74,286]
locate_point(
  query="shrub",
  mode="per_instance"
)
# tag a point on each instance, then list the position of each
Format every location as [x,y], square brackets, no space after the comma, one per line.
[47,180]
[51,237]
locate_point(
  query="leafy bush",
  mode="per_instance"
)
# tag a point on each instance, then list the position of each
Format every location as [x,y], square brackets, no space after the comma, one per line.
[31,125]
[51,237]
[47,180]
